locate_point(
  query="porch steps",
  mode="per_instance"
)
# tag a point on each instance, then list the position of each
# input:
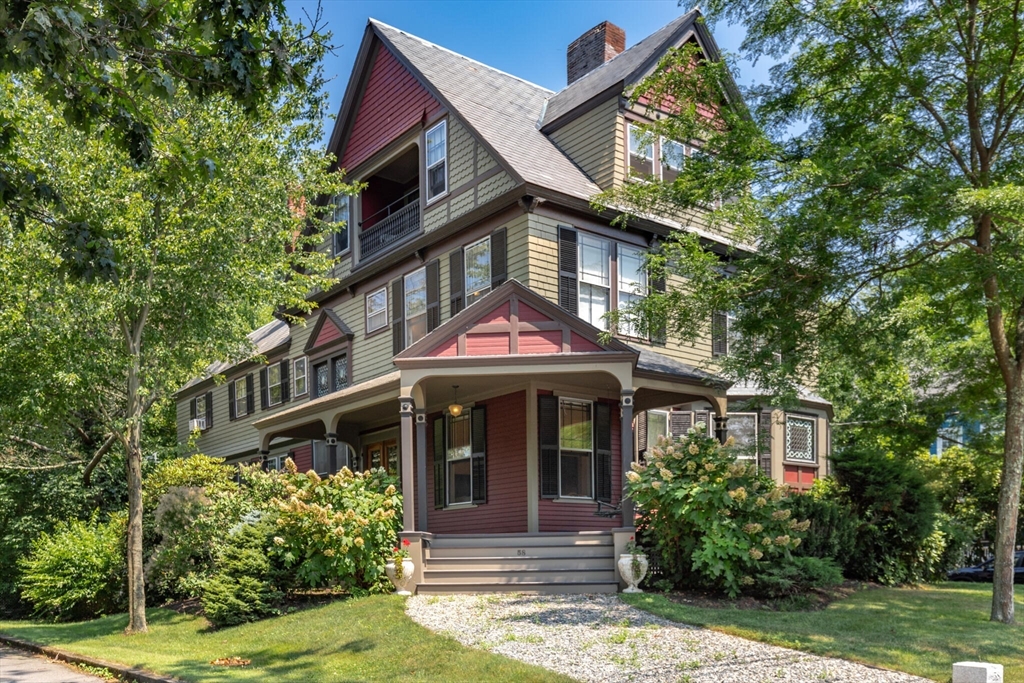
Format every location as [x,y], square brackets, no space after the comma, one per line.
[529,563]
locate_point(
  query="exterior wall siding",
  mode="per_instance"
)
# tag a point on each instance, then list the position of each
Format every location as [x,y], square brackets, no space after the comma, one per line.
[594,142]
[506,509]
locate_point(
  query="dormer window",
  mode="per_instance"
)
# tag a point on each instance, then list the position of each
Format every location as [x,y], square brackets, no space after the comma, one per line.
[641,155]
[437,161]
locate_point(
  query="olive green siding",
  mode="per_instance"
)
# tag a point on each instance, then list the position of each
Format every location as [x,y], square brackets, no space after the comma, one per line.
[594,141]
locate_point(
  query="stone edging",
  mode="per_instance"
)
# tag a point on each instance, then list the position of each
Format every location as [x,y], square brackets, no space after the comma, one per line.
[130,673]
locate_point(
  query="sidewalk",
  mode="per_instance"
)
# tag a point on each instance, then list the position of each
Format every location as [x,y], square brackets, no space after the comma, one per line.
[20,667]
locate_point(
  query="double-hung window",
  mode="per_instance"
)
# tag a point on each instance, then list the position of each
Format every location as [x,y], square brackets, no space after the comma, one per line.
[576,448]
[673,154]
[299,386]
[377,310]
[415,306]
[437,160]
[459,459]
[340,220]
[800,439]
[275,388]
[199,413]
[595,279]
[743,430]
[241,397]
[478,269]
[657,426]
[641,152]
[632,286]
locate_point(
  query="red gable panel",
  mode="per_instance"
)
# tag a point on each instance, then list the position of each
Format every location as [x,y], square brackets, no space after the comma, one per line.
[392,103]
[328,333]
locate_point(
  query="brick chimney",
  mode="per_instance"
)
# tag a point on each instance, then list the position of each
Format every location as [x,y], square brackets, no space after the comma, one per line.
[593,48]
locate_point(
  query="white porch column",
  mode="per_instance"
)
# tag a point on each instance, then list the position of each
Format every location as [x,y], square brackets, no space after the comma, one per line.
[626,438]
[421,469]
[406,412]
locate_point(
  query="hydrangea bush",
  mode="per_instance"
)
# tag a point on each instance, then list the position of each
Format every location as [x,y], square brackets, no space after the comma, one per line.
[713,519]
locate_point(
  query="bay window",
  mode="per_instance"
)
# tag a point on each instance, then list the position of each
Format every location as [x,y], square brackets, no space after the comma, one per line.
[800,439]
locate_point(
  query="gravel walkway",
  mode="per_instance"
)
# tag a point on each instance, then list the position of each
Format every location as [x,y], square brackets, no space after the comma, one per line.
[599,638]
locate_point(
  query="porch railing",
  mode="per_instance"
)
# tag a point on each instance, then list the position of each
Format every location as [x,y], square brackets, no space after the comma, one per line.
[390,224]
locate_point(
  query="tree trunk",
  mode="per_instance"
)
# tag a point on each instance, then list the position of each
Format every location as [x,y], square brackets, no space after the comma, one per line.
[1009,506]
[133,446]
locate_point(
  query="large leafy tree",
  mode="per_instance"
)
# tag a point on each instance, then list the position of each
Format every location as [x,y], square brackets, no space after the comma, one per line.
[144,272]
[881,165]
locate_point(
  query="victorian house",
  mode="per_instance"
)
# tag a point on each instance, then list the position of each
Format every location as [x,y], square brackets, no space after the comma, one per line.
[461,347]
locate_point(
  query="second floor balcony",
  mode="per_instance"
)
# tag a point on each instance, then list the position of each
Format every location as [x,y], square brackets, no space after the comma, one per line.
[390,205]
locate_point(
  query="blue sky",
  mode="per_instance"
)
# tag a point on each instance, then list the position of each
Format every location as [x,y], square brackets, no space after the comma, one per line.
[526,38]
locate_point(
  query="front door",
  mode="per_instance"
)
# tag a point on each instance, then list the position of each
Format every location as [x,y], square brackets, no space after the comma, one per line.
[383,454]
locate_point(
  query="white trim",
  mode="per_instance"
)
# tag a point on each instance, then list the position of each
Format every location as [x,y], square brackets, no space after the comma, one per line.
[305,376]
[427,166]
[814,438]
[474,296]
[244,397]
[369,316]
[405,304]
[593,453]
[280,384]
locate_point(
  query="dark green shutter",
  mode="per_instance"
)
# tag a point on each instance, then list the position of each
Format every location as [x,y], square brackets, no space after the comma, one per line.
[286,384]
[764,442]
[433,273]
[192,409]
[547,429]
[568,259]
[209,409]
[719,333]
[456,282]
[231,402]
[439,463]
[499,259]
[479,438]
[250,397]
[397,313]
[264,389]
[603,451]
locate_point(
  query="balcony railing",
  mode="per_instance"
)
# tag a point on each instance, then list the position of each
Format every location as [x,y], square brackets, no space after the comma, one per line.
[389,225]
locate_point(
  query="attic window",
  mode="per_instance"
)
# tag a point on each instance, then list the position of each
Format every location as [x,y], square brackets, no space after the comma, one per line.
[641,156]
[437,161]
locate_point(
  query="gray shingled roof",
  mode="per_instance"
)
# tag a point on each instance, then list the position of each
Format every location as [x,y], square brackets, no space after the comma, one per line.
[746,389]
[652,361]
[502,109]
[270,336]
[626,67]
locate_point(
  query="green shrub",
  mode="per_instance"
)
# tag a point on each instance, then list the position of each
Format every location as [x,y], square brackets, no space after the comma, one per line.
[246,584]
[339,531]
[196,471]
[797,575]
[714,521]
[897,513]
[833,530]
[78,571]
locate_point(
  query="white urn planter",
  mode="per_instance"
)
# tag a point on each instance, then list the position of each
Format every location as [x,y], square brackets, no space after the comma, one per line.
[401,583]
[626,567]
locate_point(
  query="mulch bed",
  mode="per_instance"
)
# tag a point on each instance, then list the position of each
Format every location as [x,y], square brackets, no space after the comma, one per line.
[804,602]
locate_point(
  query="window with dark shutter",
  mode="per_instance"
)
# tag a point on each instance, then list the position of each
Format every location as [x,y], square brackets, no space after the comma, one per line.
[439,454]
[397,316]
[547,428]
[641,434]
[456,282]
[479,435]
[719,333]
[286,384]
[603,451]
[433,295]
[264,390]
[499,257]
[209,409]
[568,259]
[192,410]
[232,413]
[250,396]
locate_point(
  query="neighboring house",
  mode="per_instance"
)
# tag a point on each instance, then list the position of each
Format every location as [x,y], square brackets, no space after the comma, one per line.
[474,273]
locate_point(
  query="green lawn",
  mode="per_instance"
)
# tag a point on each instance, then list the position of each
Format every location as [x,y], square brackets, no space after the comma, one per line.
[366,639]
[920,631]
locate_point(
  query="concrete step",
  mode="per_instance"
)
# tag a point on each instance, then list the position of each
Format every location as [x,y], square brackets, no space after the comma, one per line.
[533,576]
[524,587]
[504,563]
[583,538]
[525,550]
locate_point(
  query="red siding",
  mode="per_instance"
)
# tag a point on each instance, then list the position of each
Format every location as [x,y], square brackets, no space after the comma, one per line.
[799,477]
[328,333]
[544,341]
[528,314]
[487,344]
[498,315]
[580,344]
[505,509]
[580,516]
[392,103]
[303,457]
[448,348]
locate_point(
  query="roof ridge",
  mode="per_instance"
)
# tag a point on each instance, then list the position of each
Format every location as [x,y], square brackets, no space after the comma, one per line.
[461,56]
